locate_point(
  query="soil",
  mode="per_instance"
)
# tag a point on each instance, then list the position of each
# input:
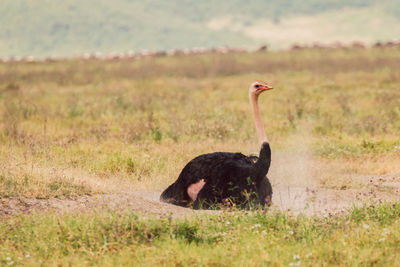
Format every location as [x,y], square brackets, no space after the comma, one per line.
[293,199]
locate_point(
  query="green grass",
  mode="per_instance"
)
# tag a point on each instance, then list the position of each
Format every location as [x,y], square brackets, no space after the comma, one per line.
[363,147]
[365,236]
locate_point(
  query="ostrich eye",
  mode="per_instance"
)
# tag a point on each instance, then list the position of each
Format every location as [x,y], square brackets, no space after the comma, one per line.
[257,86]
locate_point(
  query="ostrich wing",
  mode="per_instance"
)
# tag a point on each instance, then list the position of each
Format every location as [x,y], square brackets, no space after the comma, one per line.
[210,167]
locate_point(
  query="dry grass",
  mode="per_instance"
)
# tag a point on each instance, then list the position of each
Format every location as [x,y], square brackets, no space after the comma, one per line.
[81,127]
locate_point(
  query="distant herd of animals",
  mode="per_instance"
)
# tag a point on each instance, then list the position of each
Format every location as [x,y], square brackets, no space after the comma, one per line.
[199,51]
[226,178]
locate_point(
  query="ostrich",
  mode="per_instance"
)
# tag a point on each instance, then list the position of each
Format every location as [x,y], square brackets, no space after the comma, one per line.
[218,177]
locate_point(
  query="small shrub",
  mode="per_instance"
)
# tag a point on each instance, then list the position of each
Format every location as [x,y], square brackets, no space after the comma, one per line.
[156,134]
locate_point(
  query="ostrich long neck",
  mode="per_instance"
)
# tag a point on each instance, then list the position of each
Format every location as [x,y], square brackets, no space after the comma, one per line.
[257,119]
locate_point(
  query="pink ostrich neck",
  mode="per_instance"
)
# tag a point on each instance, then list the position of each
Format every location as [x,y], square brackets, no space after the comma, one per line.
[257,118]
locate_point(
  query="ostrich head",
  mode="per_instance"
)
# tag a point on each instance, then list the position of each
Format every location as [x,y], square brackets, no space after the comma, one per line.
[257,88]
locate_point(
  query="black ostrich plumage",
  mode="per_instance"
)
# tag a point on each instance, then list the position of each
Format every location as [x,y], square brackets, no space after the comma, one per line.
[234,176]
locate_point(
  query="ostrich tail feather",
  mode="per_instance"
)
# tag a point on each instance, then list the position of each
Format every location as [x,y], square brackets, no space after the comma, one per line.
[174,195]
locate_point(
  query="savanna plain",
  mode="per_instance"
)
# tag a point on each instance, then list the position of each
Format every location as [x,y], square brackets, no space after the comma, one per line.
[86,147]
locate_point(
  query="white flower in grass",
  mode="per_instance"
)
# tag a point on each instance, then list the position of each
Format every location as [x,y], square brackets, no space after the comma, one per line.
[291,232]
[381,239]
[386,231]
[228,222]
[296,257]
[308,255]
[27,256]
[8,258]
[366,226]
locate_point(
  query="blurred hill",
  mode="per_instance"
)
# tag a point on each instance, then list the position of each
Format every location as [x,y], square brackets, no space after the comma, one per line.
[68,28]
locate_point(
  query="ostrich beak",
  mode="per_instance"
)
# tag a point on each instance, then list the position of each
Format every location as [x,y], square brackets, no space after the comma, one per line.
[266,87]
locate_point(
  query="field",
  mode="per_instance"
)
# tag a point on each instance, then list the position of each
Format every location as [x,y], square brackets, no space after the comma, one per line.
[63,29]
[82,142]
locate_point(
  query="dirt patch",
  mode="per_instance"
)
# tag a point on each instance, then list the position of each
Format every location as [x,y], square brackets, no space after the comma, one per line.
[369,189]
[294,199]
[139,201]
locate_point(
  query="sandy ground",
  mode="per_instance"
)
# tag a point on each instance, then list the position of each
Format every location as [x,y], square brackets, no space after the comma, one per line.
[294,199]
